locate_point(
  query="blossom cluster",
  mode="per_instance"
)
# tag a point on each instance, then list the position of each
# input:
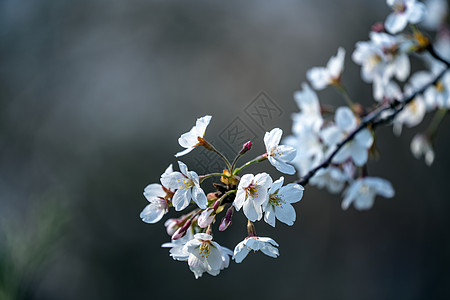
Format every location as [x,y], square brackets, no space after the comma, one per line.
[329,147]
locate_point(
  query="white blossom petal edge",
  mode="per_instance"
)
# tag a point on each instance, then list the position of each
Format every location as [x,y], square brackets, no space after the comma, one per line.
[362,192]
[279,204]
[277,155]
[190,140]
[255,243]
[187,188]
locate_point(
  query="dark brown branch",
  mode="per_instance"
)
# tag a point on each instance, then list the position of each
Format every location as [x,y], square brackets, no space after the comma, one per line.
[374,118]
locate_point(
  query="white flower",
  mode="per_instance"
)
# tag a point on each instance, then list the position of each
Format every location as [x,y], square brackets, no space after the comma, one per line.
[255,243]
[404,11]
[309,105]
[194,137]
[437,11]
[382,58]
[438,95]
[187,188]
[321,77]
[279,156]
[158,197]
[206,217]
[421,146]
[332,178]
[279,204]
[177,250]
[205,255]
[357,148]
[252,194]
[362,192]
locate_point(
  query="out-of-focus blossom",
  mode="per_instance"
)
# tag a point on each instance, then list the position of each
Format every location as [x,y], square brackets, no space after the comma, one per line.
[321,77]
[421,146]
[362,192]
[437,11]
[405,11]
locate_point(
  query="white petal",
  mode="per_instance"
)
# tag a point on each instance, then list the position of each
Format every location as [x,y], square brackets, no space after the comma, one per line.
[175,180]
[270,250]
[264,180]
[276,185]
[181,199]
[395,23]
[201,125]
[285,213]
[239,199]
[364,138]
[252,212]
[417,13]
[319,77]
[240,252]
[153,191]
[359,154]
[345,119]
[269,215]
[281,166]
[335,65]
[272,138]
[188,139]
[199,197]
[286,153]
[183,168]
[185,151]
[292,192]
[152,213]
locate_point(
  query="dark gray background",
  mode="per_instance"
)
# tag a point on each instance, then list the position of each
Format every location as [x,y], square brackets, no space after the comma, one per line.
[95,93]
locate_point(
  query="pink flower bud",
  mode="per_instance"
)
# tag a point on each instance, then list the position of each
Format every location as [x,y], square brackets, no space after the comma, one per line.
[378,27]
[226,221]
[182,230]
[171,226]
[206,217]
[246,147]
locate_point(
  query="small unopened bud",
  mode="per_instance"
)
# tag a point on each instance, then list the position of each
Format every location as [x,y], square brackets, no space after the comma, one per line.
[226,221]
[206,217]
[172,225]
[378,27]
[182,230]
[246,147]
[212,196]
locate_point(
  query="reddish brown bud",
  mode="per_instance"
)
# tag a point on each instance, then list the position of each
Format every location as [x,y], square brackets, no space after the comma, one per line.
[226,221]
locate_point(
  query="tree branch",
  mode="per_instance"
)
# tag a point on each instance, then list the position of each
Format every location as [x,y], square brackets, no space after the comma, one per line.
[375,118]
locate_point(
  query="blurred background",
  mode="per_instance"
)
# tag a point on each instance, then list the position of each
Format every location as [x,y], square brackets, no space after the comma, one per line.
[93,97]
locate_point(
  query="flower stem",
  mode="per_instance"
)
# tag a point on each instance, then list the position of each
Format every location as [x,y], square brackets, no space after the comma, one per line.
[210,147]
[251,228]
[437,120]
[203,177]
[341,88]
[256,160]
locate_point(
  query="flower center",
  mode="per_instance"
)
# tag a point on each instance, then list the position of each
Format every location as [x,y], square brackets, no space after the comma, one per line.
[364,189]
[186,183]
[252,190]
[399,8]
[276,200]
[440,86]
[204,250]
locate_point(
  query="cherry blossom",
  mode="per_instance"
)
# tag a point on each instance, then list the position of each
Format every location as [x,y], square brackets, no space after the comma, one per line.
[362,192]
[279,155]
[252,194]
[280,200]
[255,243]
[194,137]
[205,255]
[187,188]
[321,77]
[404,11]
[421,146]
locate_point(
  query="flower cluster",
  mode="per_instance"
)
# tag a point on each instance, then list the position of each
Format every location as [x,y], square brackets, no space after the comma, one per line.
[329,147]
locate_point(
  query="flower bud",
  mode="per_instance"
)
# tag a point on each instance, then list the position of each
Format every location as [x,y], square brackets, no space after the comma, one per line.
[378,27]
[226,221]
[246,147]
[206,217]
[421,146]
[182,230]
[171,226]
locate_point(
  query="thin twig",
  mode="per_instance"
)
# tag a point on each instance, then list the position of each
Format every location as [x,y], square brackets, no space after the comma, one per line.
[374,118]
